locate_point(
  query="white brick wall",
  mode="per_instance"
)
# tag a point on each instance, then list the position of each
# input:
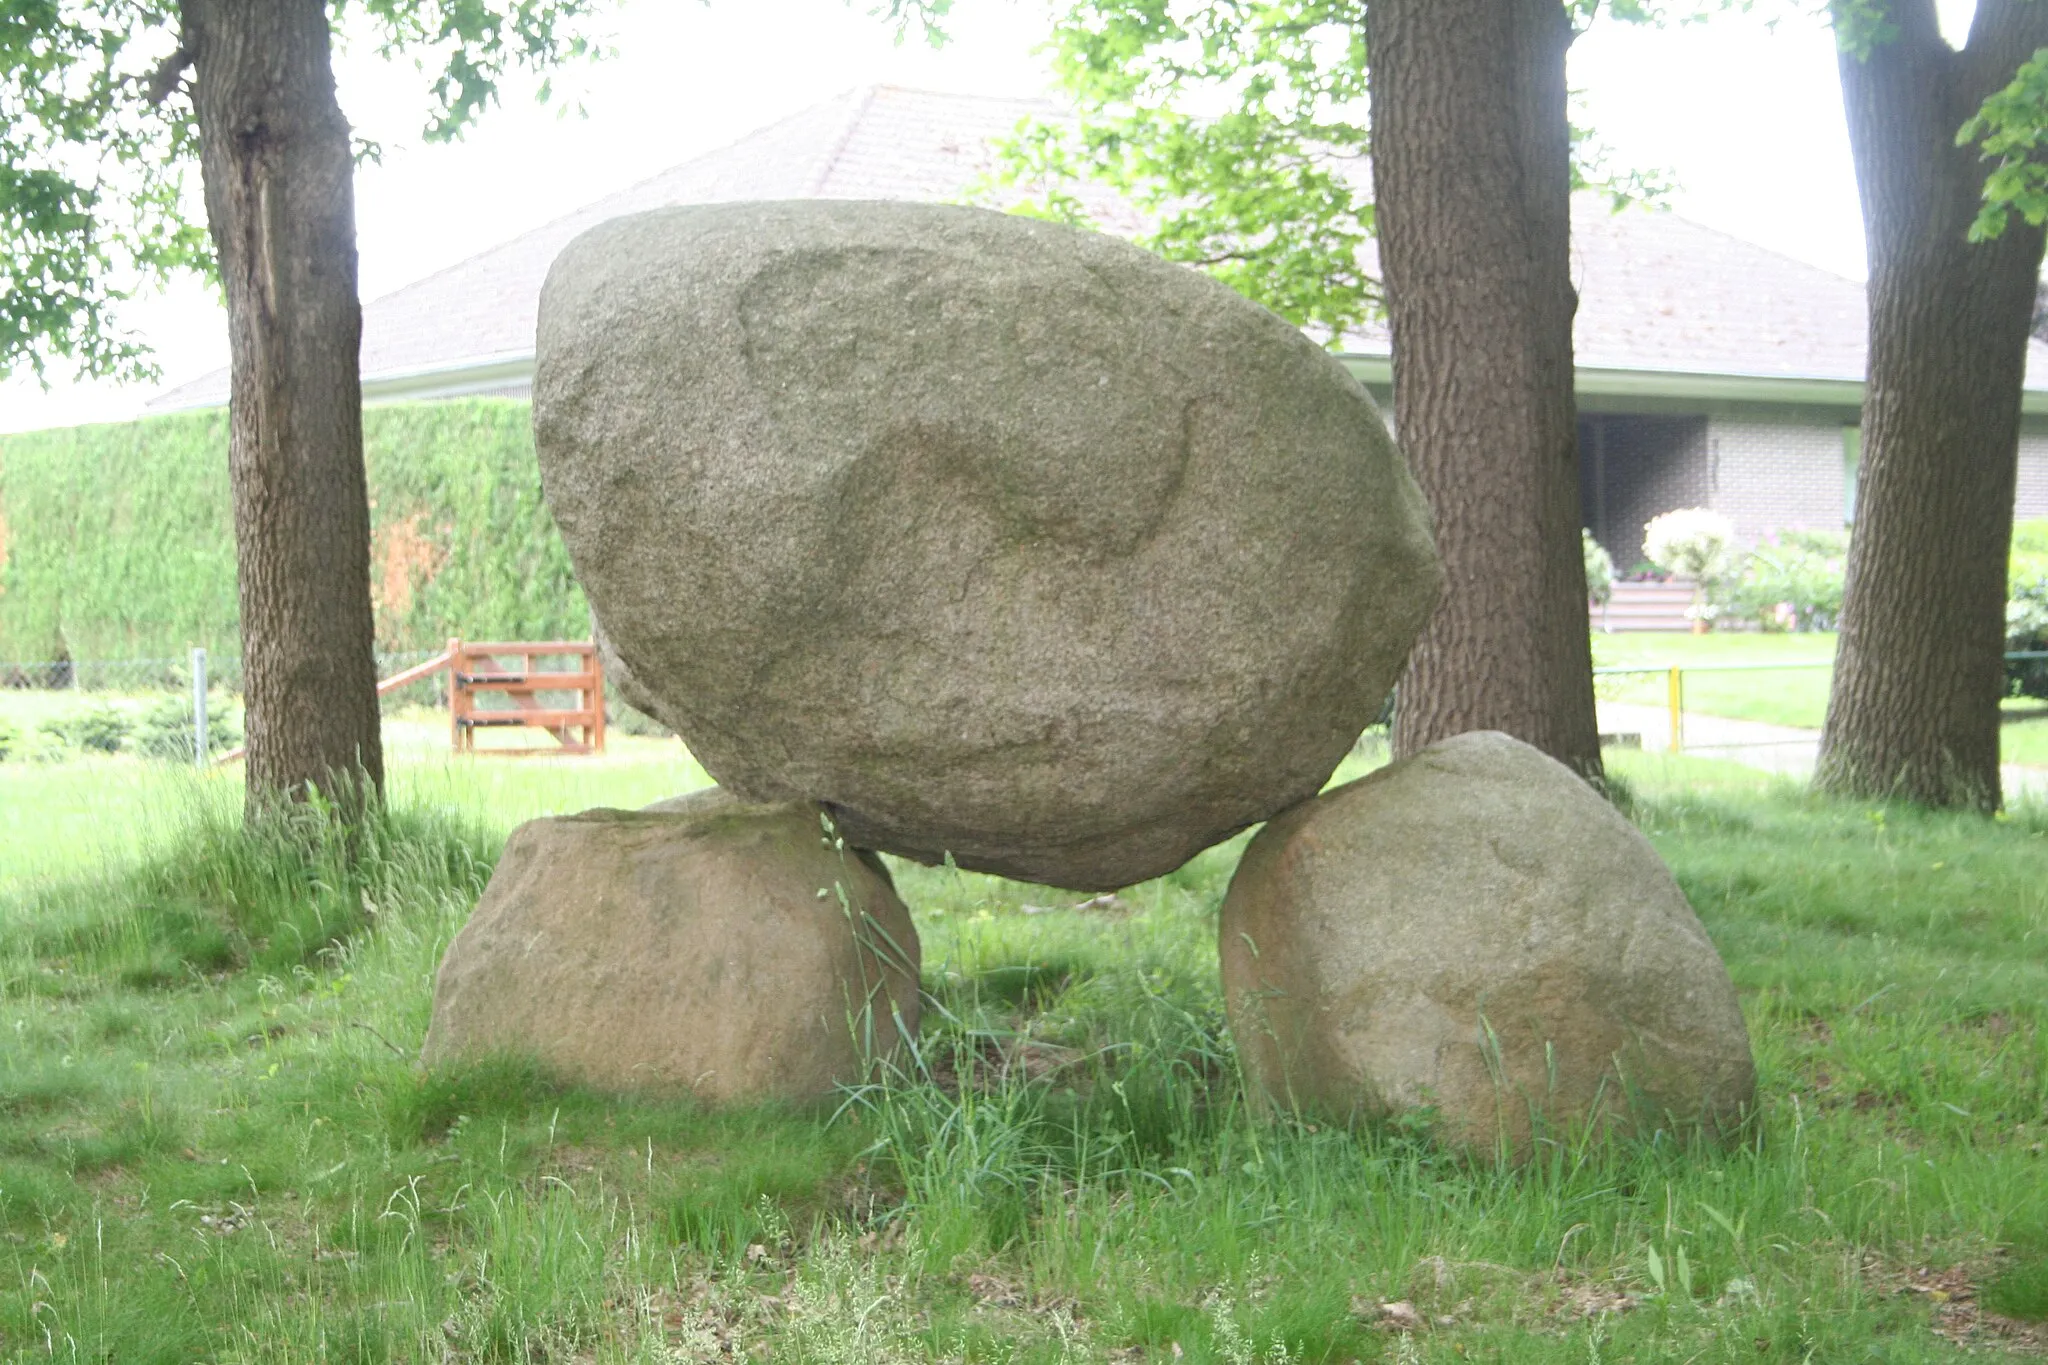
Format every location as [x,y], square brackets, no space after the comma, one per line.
[2033,491]
[1774,476]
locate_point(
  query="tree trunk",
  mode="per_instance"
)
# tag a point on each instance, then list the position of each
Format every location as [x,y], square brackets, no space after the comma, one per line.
[1913,710]
[1472,182]
[278,171]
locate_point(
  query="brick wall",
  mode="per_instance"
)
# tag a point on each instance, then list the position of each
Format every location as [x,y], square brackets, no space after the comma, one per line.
[2033,492]
[1771,476]
[1651,465]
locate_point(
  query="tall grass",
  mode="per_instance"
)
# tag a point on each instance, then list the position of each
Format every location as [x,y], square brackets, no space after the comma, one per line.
[215,1142]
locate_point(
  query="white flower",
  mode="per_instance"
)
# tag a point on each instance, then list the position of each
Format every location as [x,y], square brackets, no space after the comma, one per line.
[1692,542]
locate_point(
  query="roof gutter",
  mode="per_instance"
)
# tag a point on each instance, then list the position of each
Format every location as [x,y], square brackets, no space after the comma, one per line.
[484,374]
[1600,382]
[455,379]
[448,379]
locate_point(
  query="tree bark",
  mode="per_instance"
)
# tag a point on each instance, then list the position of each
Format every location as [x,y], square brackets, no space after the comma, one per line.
[1472,182]
[278,171]
[1913,708]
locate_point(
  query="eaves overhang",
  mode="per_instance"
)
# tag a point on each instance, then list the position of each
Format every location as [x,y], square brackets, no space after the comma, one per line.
[1594,381]
[452,379]
[443,379]
[508,369]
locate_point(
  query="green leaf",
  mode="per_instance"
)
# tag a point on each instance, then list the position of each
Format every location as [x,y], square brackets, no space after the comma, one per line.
[99,150]
[1267,189]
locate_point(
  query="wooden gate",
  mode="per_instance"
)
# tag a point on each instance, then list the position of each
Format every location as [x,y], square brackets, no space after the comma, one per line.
[514,671]
[520,672]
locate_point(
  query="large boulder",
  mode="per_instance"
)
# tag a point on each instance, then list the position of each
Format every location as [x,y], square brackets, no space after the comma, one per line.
[1474,930]
[1003,540]
[618,677]
[729,950]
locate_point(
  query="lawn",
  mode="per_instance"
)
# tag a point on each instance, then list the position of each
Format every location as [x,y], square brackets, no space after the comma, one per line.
[1777,682]
[215,1143]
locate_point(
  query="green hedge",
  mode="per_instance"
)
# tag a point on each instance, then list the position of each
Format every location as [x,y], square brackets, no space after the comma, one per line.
[117,542]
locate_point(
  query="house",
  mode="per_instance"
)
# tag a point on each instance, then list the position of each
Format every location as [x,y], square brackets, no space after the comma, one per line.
[1711,372]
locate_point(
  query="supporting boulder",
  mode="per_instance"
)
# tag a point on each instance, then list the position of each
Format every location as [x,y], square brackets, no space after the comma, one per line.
[1474,933]
[733,951]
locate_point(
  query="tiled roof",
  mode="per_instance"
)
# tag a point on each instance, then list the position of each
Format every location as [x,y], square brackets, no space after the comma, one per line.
[1657,293]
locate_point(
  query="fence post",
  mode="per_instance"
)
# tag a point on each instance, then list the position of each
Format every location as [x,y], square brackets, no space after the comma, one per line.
[199,736]
[1677,690]
[455,711]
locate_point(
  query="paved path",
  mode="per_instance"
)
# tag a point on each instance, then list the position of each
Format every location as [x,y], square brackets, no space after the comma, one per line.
[1773,748]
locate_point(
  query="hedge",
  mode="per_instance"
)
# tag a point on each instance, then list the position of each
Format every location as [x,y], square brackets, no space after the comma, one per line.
[117,541]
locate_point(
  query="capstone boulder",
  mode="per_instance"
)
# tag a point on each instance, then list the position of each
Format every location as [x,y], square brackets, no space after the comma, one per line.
[1004,541]
[727,950]
[1474,931]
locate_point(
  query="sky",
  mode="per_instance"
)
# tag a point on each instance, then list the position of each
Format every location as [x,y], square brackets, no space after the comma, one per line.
[1743,116]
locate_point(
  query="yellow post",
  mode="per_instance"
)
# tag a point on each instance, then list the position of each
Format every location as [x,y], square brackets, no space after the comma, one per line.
[1677,709]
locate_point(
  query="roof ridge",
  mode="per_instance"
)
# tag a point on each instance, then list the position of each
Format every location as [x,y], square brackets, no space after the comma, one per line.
[867,96]
[830,160]
[1747,243]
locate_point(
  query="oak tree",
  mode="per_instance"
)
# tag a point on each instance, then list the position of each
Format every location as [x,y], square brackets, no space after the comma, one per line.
[104,108]
[1240,128]
[1472,171]
[1913,709]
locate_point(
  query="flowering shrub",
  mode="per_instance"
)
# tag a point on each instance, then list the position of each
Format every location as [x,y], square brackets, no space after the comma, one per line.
[1599,569]
[1691,542]
[1790,582]
[2026,611]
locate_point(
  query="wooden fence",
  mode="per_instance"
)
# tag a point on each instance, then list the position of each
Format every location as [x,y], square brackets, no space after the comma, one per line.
[518,673]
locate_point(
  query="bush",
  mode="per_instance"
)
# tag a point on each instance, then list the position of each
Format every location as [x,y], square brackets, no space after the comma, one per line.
[2026,611]
[1791,582]
[1691,542]
[166,729]
[10,740]
[1599,569]
[99,728]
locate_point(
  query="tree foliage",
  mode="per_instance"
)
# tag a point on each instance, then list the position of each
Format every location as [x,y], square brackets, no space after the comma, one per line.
[92,179]
[1268,192]
[1238,128]
[99,148]
[2012,130]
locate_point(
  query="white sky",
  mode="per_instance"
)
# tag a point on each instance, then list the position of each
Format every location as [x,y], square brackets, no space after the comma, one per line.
[1747,117]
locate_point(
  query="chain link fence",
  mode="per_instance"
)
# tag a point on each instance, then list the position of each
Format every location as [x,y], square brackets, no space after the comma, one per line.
[169,709]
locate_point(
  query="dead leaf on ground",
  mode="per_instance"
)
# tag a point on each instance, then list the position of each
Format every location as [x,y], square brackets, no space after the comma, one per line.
[1951,1292]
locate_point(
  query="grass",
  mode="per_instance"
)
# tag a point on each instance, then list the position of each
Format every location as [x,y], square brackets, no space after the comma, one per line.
[2024,737]
[215,1144]
[1794,695]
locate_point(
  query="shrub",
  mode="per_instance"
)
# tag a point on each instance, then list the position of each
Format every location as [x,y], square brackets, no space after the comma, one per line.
[1599,569]
[2026,615]
[1791,582]
[166,729]
[1692,542]
[10,740]
[100,728]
